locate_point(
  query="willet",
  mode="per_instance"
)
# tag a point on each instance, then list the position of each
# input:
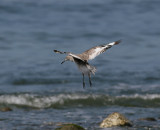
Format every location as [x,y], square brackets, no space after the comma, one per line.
[81,60]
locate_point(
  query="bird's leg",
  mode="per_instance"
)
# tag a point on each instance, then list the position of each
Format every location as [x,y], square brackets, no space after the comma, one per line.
[83,81]
[89,75]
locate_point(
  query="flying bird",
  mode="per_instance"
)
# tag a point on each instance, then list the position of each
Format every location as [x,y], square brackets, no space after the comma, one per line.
[81,60]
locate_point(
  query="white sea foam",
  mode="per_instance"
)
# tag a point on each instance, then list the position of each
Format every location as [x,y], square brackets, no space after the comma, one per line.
[38,101]
[145,97]
[41,101]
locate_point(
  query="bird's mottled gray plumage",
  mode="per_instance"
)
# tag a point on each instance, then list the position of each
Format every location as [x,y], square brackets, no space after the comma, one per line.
[81,60]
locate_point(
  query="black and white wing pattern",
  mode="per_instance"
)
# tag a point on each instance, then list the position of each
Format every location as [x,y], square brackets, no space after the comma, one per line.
[95,51]
[60,52]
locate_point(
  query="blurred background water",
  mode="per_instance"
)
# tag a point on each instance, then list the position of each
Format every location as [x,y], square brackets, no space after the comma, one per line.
[42,92]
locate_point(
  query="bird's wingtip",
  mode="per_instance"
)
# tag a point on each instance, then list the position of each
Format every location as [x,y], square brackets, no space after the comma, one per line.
[55,51]
[117,42]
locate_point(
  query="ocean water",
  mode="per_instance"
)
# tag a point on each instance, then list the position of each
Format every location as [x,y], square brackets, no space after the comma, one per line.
[42,93]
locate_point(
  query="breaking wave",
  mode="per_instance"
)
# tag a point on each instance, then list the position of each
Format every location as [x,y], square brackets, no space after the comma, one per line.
[79,100]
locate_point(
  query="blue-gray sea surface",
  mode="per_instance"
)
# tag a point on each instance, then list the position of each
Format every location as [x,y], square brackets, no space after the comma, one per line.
[43,93]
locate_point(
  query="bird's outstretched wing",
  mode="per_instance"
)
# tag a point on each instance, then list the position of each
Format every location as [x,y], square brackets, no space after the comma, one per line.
[95,51]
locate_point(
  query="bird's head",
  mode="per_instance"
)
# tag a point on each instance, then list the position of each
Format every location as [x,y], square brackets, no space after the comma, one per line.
[68,58]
